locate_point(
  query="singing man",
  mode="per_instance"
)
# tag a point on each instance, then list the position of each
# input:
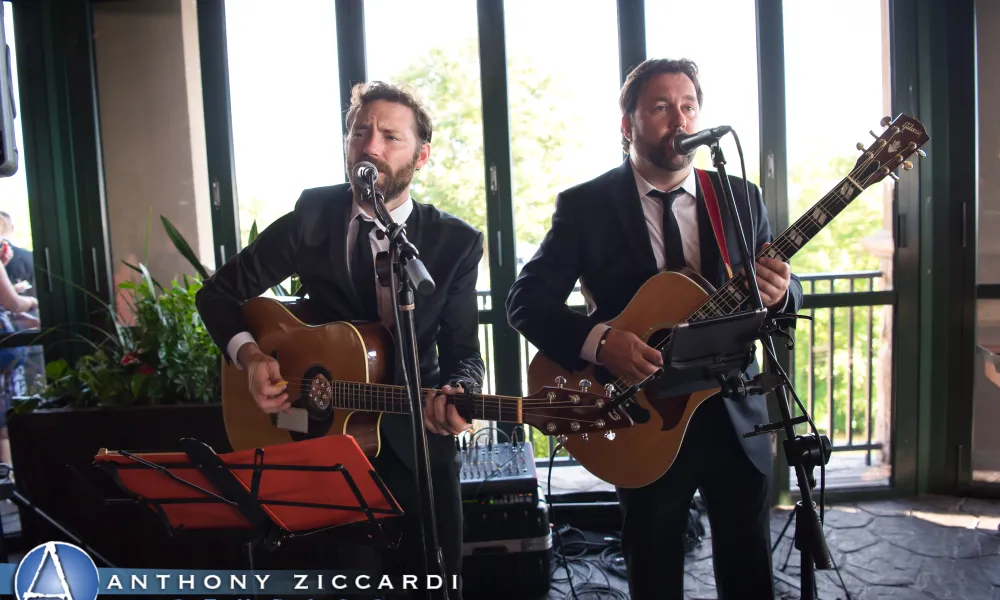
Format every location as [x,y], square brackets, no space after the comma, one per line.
[330,241]
[613,233]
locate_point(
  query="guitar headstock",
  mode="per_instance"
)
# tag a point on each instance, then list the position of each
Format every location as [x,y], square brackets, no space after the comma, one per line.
[565,411]
[901,139]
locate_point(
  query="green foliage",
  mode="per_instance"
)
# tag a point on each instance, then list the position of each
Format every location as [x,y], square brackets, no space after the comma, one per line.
[166,357]
[454,179]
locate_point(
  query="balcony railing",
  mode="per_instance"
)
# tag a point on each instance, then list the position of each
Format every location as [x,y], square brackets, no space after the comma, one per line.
[833,365]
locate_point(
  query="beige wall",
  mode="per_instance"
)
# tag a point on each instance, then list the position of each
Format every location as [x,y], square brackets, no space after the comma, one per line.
[153,132]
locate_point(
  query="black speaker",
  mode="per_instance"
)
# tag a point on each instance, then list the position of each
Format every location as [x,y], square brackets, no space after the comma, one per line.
[8,142]
[507,551]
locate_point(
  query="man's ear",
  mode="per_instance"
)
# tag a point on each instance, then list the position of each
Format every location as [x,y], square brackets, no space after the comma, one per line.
[424,155]
[627,127]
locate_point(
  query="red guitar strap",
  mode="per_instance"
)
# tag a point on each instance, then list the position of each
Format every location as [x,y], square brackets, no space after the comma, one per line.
[712,204]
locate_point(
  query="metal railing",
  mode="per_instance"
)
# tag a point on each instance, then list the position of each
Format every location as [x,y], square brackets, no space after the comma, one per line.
[820,344]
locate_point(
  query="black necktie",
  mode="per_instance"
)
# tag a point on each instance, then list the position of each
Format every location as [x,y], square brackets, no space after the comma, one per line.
[673,248]
[363,270]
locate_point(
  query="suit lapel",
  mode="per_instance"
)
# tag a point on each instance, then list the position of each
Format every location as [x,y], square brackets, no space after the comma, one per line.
[625,197]
[340,220]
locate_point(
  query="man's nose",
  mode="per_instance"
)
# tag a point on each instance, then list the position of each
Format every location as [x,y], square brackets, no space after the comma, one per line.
[374,146]
[677,119]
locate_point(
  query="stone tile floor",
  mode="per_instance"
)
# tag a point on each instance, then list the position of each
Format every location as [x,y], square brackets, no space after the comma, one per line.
[930,547]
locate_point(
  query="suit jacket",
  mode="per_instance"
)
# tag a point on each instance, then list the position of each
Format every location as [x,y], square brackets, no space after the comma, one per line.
[599,236]
[312,242]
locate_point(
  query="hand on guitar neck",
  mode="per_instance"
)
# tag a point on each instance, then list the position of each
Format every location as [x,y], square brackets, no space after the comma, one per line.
[628,357]
[268,389]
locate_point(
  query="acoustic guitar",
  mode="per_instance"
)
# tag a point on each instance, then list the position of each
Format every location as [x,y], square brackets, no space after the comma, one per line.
[641,454]
[336,372]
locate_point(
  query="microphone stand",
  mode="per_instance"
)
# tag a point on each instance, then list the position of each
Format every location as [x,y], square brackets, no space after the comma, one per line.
[405,263]
[801,452]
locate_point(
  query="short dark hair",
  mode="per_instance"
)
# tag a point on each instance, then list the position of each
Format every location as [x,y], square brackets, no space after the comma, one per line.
[648,69]
[364,93]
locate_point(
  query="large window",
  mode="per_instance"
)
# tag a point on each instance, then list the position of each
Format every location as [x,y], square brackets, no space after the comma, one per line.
[285,98]
[433,47]
[985,446]
[21,368]
[563,86]
[843,359]
[719,36]
[833,99]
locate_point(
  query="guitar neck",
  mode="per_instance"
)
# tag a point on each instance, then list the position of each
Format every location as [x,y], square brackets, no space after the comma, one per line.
[731,296]
[376,397]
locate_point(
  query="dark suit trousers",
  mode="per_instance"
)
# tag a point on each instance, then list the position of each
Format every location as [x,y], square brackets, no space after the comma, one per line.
[409,557]
[737,498]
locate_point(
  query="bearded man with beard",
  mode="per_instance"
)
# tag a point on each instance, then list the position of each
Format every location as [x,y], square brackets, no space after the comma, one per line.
[612,234]
[330,240]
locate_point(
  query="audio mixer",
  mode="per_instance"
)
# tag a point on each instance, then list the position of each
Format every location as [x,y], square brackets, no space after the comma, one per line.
[502,473]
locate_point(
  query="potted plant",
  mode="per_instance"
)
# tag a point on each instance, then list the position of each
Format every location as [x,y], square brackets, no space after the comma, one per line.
[141,387]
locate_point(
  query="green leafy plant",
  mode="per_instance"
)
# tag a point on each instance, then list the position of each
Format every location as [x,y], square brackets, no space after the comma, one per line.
[165,357]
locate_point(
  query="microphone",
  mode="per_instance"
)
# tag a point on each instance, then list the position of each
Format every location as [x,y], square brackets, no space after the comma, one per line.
[685,143]
[366,172]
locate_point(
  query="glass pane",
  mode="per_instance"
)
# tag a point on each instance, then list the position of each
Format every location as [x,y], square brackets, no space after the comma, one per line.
[285,93]
[728,71]
[988,88]
[15,222]
[843,360]
[440,63]
[986,394]
[823,129]
[562,133]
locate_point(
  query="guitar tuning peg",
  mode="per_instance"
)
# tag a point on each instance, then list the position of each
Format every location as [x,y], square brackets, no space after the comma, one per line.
[860,146]
[560,381]
[921,153]
[894,176]
[885,121]
[907,165]
[872,134]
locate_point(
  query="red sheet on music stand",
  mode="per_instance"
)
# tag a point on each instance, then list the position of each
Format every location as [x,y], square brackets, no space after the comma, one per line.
[318,486]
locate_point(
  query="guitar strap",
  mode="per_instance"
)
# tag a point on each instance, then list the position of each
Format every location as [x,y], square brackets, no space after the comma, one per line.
[712,204]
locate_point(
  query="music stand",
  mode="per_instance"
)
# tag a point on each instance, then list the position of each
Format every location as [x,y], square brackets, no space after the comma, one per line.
[699,355]
[703,354]
[199,490]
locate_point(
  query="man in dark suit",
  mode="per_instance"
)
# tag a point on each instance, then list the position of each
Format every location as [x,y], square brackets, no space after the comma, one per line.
[613,233]
[330,240]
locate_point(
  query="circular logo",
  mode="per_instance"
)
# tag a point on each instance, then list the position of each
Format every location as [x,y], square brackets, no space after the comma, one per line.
[56,570]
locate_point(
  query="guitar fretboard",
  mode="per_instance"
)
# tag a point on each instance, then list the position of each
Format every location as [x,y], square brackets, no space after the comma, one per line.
[731,296]
[372,397]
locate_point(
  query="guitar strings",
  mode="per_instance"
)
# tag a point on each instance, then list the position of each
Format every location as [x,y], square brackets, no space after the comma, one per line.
[730,292]
[375,392]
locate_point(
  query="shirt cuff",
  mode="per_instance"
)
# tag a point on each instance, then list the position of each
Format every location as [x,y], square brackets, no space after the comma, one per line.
[590,345]
[234,345]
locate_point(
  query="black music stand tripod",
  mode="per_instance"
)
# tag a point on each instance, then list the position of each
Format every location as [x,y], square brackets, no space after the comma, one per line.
[803,452]
[404,262]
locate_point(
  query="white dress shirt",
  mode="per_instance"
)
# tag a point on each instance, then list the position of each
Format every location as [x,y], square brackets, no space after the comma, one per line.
[686,212]
[384,294]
